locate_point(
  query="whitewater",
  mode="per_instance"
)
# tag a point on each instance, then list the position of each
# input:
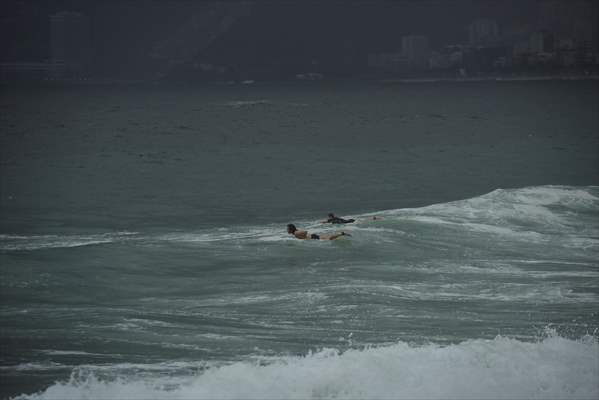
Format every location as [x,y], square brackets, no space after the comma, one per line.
[489,297]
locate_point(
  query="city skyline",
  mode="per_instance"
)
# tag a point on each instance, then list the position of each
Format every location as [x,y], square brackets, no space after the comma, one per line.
[139,38]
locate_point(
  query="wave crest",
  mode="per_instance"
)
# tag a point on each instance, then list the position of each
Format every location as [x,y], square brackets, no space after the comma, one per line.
[475,369]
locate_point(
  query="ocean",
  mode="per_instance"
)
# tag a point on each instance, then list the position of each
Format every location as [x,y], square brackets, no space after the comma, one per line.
[144,253]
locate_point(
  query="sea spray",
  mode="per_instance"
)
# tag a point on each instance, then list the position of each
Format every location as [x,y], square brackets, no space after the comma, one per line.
[502,368]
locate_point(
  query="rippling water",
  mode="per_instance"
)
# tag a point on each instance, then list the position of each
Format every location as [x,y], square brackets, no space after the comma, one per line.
[156,264]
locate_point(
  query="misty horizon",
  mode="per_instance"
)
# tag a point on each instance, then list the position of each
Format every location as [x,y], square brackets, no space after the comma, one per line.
[142,39]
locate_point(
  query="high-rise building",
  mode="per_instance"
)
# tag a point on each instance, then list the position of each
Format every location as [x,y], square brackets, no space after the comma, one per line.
[415,50]
[483,31]
[387,62]
[70,38]
[541,42]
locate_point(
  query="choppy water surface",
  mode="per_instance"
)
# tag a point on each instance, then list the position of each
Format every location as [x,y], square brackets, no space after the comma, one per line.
[110,294]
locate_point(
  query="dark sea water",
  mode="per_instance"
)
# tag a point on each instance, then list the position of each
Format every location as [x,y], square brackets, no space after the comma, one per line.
[143,251]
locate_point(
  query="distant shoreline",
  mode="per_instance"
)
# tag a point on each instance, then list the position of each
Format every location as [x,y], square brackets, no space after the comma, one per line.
[371,79]
[495,79]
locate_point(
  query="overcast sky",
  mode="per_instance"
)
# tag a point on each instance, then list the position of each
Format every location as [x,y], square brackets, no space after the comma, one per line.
[128,31]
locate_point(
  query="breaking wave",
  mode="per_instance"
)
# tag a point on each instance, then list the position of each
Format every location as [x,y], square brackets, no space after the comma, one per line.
[502,368]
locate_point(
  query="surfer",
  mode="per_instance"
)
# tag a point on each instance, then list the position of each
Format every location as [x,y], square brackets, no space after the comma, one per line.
[336,220]
[301,234]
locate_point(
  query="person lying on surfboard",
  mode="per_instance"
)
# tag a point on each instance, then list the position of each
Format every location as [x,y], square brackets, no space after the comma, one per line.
[336,220]
[301,234]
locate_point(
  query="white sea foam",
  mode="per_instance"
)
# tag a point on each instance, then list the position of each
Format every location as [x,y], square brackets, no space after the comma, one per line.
[107,369]
[503,368]
[472,290]
[547,195]
[260,298]
[530,202]
[247,103]
[34,366]
[546,215]
[36,242]
[70,353]
[267,233]
[261,102]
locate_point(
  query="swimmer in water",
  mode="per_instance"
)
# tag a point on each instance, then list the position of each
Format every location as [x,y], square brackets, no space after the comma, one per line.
[301,234]
[336,220]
